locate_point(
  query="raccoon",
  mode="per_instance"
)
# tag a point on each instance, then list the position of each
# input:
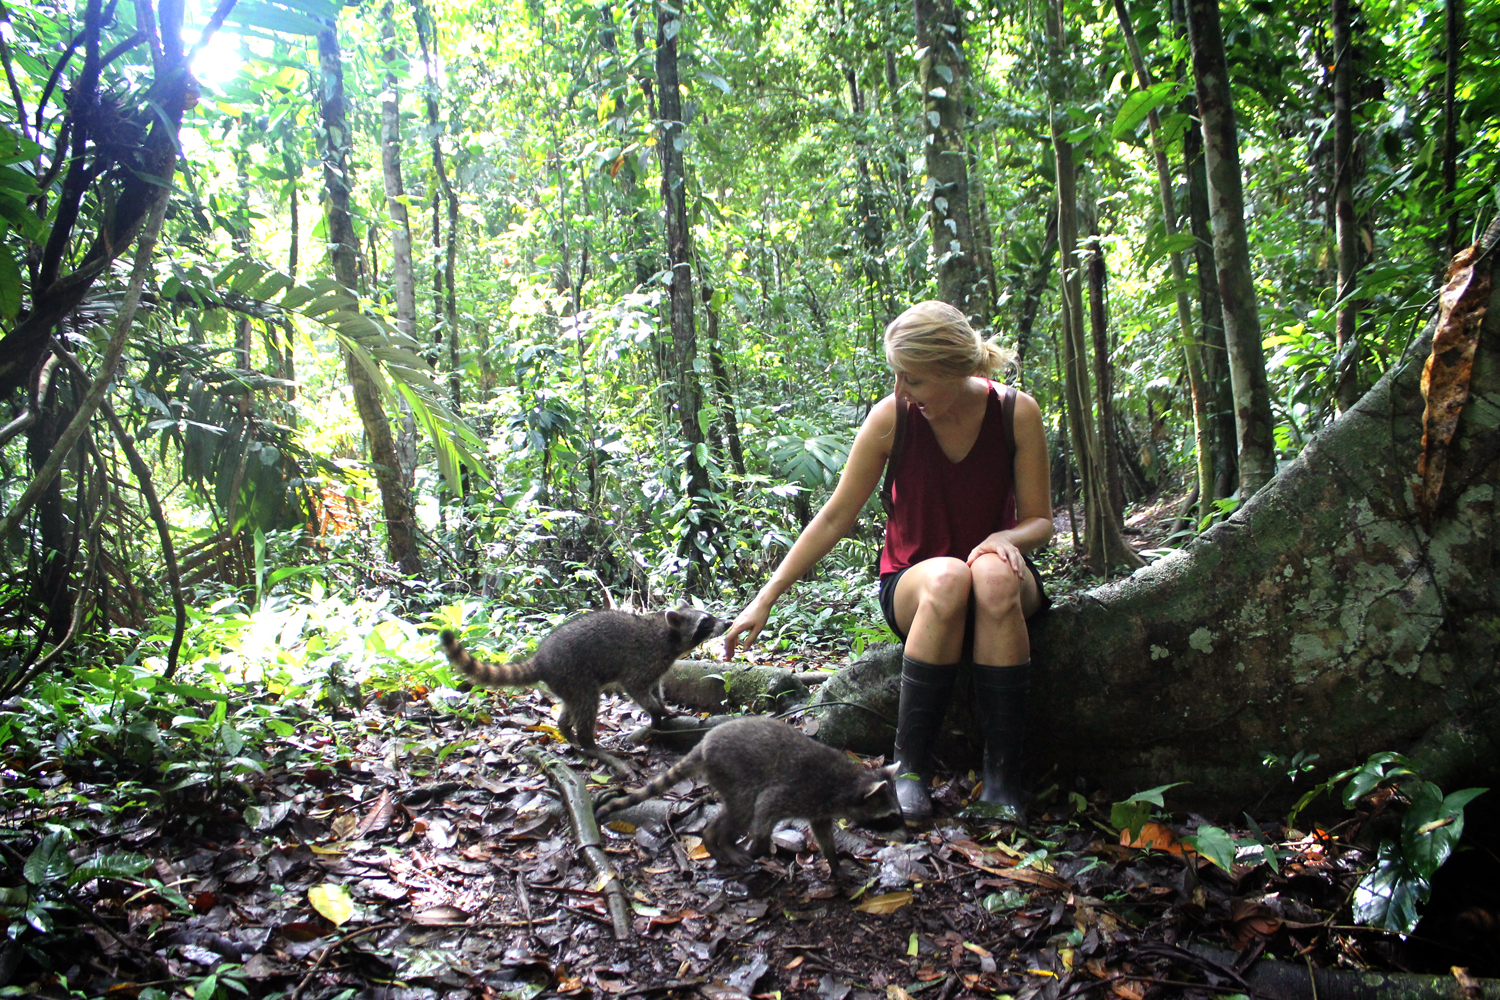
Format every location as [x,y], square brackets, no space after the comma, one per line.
[765,771]
[582,656]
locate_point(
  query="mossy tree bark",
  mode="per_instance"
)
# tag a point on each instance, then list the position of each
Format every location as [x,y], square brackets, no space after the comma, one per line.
[1324,616]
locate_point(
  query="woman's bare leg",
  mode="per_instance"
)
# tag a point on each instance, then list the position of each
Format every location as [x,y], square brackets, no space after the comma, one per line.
[932,601]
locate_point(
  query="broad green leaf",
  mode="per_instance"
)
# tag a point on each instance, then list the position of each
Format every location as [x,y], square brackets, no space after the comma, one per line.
[1138,105]
[49,861]
[1214,844]
[116,866]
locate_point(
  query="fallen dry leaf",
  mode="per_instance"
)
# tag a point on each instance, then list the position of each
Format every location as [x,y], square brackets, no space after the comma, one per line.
[888,903]
[332,901]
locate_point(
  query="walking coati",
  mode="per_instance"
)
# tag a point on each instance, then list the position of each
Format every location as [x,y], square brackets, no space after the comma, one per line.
[764,771]
[595,650]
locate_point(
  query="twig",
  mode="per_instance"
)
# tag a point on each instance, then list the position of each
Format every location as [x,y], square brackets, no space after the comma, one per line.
[575,796]
[329,951]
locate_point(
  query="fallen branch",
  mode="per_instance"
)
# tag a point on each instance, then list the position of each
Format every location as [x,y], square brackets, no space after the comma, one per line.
[580,808]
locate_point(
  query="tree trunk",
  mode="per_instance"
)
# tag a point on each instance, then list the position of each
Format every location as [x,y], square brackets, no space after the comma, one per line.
[720,371]
[400,517]
[403,275]
[1346,225]
[1192,356]
[1107,549]
[870,222]
[1220,394]
[679,259]
[1041,277]
[1322,616]
[1104,376]
[942,74]
[1247,368]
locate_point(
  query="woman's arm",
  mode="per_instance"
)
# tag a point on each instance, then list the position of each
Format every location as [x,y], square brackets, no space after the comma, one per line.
[1033,488]
[867,458]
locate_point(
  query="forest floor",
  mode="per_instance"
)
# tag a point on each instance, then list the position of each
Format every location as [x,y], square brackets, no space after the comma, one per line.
[422,855]
[413,848]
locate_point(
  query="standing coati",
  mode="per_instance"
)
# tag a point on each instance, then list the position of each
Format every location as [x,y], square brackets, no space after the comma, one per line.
[598,649]
[765,771]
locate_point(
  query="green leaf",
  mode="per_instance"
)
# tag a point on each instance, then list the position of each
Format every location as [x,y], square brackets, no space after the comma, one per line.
[1389,895]
[1214,844]
[116,866]
[49,862]
[10,285]
[1138,105]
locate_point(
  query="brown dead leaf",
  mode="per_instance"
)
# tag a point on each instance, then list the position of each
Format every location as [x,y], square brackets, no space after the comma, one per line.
[1128,990]
[1445,376]
[1250,921]
[344,826]
[379,816]
[1028,875]
[442,915]
[1156,837]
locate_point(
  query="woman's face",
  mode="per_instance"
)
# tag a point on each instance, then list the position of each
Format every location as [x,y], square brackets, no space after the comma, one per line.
[933,394]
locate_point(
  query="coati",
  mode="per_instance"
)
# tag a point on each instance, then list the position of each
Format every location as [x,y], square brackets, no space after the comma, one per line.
[765,771]
[598,649]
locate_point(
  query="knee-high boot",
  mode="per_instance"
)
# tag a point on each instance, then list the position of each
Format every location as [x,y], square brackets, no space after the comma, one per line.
[1000,695]
[925,690]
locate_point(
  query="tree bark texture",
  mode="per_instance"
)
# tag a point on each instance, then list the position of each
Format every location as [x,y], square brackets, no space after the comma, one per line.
[679,259]
[400,517]
[1321,616]
[1346,223]
[1247,368]
[942,74]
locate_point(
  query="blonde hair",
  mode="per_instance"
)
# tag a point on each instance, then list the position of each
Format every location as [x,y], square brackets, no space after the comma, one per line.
[935,337]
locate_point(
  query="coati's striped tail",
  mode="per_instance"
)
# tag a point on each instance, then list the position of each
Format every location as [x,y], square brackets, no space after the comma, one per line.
[484,672]
[684,768]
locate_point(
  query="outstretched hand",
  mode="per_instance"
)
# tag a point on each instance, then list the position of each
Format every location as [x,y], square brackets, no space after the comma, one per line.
[748,624]
[1002,547]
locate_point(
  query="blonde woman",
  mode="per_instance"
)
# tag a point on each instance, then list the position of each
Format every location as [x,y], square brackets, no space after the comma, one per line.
[969,501]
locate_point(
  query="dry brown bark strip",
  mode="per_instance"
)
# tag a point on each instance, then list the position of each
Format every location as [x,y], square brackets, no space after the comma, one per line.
[1445,377]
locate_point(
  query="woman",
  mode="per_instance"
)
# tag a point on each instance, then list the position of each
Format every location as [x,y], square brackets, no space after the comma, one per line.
[955,579]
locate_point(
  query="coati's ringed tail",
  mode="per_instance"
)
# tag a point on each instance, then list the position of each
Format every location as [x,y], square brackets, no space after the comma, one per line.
[484,672]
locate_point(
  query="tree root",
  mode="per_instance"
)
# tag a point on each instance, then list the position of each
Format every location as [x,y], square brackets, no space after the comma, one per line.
[580,807]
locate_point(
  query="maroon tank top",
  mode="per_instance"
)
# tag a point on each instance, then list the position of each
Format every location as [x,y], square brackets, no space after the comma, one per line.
[945,508]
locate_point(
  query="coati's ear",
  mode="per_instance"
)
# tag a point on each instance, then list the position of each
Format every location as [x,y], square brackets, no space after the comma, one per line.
[674,618]
[877,786]
[683,605]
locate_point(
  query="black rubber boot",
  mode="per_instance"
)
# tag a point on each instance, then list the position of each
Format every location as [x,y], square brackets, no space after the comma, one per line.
[1000,695]
[925,690]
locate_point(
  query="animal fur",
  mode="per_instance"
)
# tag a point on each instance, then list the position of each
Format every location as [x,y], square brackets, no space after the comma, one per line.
[764,771]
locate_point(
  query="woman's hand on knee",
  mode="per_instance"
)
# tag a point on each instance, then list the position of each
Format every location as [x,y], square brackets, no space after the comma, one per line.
[998,544]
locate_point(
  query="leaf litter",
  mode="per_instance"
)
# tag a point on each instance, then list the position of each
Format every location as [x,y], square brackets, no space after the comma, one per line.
[394,872]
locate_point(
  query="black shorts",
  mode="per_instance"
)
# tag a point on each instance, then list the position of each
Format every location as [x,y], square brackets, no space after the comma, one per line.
[888,602]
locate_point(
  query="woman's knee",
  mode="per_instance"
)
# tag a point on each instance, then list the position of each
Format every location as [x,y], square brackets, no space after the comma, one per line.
[945,587]
[997,587]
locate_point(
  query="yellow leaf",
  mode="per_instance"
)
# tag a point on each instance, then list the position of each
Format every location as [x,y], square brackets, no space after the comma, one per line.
[620,826]
[335,852]
[889,903]
[332,901]
[549,730]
